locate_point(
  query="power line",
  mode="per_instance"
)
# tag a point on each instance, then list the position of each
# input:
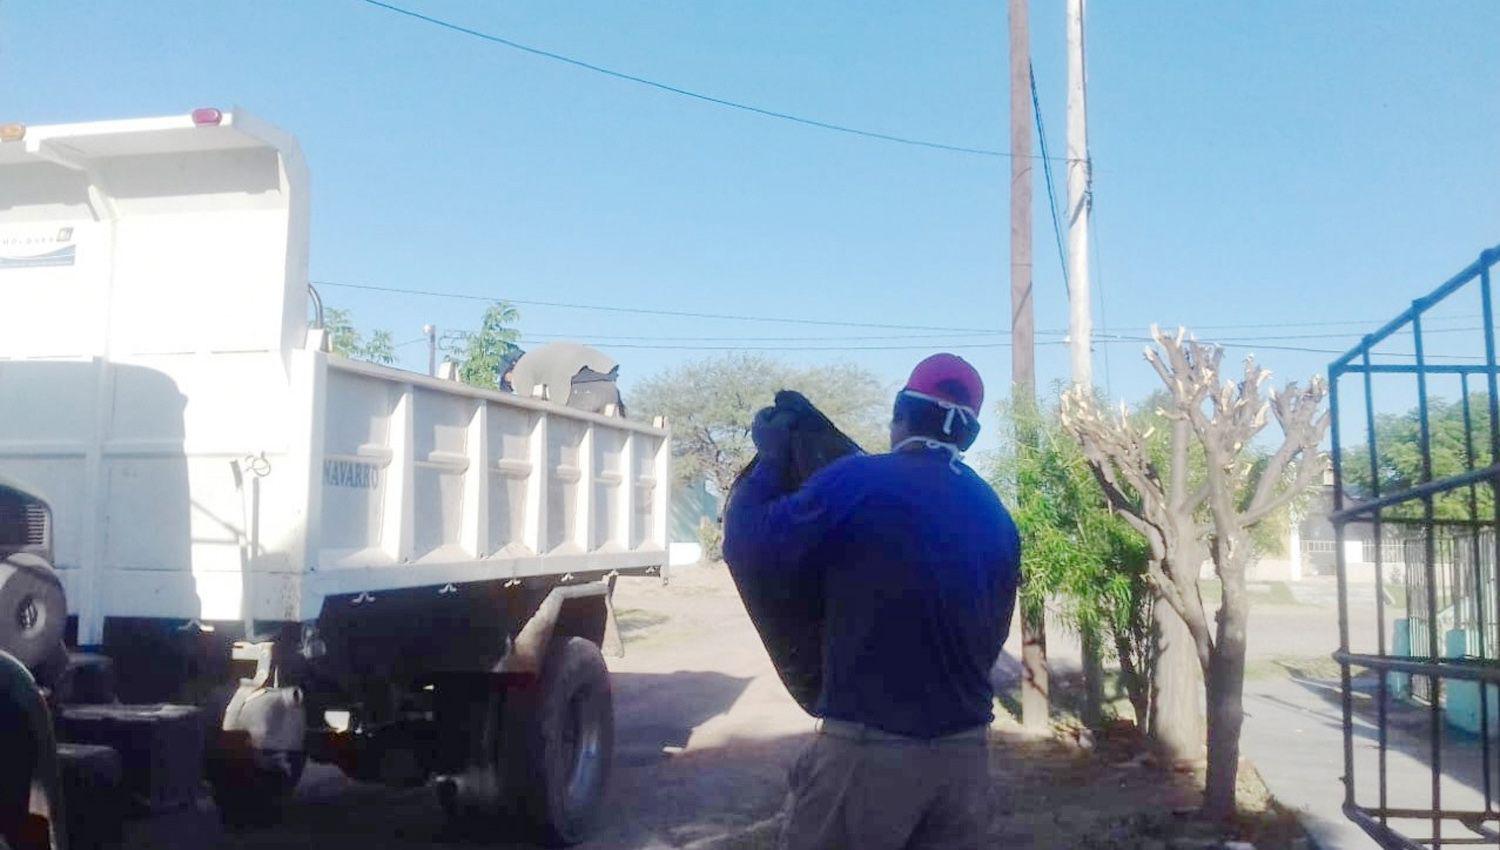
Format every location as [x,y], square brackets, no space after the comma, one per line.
[671,89]
[670,344]
[1050,332]
[1099,290]
[1103,338]
[723,338]
[1359,323]
[1241,343]
[1425,331]
[780,348]
[1253,343]
[957,346]
[1041,132]
[934,337]
[642,311]
[938,330]
[1109,338]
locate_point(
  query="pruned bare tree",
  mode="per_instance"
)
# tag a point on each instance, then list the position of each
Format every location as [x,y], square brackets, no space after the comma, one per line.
[1188,521]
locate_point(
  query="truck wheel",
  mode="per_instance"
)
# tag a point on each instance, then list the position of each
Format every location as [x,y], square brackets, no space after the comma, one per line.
[559,742]
[20,750]
[250,787]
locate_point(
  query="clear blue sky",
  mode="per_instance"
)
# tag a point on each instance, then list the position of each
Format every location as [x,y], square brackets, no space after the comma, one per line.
[1255,163]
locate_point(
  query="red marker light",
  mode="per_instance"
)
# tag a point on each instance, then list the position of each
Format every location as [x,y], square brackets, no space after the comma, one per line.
[207,117]
[12,132]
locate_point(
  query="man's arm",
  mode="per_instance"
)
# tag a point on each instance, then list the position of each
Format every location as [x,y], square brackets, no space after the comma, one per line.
[770,532]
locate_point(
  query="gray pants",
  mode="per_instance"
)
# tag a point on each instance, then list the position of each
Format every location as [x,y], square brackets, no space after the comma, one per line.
[863,789]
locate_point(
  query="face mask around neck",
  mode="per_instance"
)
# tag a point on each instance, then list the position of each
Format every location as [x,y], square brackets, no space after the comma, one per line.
[956,455]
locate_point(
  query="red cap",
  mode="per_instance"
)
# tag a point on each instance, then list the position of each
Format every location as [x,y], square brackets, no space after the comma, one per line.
[950,378]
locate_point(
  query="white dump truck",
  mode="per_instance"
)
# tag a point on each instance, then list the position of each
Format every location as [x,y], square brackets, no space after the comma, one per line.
[400,574]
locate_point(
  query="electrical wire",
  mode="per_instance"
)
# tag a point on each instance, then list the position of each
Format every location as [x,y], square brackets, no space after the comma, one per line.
[722,337]
[930,332]
[1107,339]
[1425,331]
[1113,338]
[1099,291]
[1044,157]
[612,338]
[643,311]
[781,348]
[1360,323]
[1041,133]
[689,93]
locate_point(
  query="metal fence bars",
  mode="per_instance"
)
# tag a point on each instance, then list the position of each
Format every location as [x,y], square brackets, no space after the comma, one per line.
[1463,568]
[1423,686]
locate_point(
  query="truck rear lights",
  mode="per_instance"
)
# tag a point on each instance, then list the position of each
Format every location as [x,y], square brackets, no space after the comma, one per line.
[12,132]
[207,116]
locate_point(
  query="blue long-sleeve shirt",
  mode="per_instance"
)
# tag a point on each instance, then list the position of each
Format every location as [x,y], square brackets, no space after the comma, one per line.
[917,567]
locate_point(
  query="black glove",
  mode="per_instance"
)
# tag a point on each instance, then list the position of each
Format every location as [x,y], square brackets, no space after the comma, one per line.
[772,435]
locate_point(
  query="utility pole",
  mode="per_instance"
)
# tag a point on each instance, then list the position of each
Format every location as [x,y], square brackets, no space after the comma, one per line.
[1034,677]
[1080,205]
[1022,319]
[1080,319]
[431,332]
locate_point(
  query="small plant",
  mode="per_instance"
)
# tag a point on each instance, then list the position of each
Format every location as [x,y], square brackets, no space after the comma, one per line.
[1079,556]
[711,541]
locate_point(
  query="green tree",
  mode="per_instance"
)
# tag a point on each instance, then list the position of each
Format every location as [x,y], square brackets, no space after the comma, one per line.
[711,403]
[1078,554]
[346,340]
[488,350]
[342,335]
[1398,443]
[379,348]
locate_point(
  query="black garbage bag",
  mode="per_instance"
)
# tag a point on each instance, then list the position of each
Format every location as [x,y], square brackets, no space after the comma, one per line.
[789,615]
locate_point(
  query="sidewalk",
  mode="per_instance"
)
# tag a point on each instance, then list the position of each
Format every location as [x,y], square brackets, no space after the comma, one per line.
[1294,735]
[1295,739]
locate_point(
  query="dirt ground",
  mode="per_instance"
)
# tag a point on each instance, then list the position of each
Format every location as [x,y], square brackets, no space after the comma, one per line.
[705,734]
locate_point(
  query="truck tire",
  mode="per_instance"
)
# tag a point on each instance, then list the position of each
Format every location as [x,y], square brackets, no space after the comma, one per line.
[31,804]
[93,782]
[250,788]
[20,748]
[559,742]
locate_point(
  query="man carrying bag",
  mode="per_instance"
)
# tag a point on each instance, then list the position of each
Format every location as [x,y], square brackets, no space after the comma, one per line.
[917,563]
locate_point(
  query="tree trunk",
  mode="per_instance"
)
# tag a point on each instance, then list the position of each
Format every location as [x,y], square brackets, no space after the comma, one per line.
[1137,682]
[1226,714]
[1093,680]
[1177,717]
[1226,691]
[1036,699]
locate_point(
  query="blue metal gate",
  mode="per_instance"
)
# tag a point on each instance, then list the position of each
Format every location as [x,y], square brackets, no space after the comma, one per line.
[1446,513]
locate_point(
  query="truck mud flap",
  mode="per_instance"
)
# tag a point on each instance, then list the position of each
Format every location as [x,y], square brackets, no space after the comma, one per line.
[528,650]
